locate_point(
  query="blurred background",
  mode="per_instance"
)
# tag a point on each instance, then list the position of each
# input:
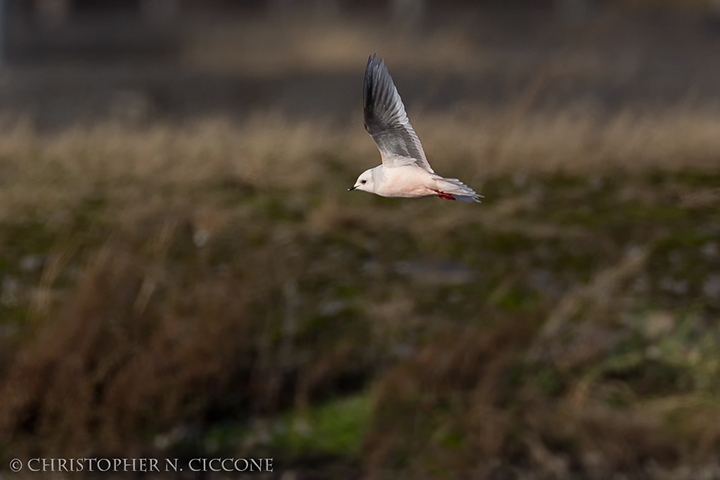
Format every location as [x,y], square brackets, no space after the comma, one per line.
[184,274]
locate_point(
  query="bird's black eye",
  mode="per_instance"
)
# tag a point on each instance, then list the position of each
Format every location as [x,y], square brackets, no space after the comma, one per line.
[363,182]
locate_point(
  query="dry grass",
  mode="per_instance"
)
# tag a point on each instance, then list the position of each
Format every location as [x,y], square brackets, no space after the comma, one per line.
[273,153]
[112,365]
[288,299]
[155,339]
[207,274]
[179,297]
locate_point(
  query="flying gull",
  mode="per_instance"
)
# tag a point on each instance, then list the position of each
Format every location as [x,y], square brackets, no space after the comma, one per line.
[405,172]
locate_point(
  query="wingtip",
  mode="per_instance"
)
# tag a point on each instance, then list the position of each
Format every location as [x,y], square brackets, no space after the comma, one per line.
[375,72]
[372,59]
[375,61]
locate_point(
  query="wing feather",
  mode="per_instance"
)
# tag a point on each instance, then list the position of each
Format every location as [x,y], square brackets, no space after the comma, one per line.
[386,120]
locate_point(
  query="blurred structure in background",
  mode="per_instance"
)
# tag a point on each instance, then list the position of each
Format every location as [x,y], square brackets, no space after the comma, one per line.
[574,10]
[3,30]
[79,24]
[177,57]
[37,15]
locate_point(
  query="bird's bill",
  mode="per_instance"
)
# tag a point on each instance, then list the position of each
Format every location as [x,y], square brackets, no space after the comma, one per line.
[352,188]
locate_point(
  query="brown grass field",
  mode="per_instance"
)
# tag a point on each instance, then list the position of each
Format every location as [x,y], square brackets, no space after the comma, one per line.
[207,287]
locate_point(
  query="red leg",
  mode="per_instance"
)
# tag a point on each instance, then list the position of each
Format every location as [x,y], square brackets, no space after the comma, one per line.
[444,196]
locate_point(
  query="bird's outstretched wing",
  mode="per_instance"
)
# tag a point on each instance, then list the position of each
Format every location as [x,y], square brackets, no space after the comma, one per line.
[386,120]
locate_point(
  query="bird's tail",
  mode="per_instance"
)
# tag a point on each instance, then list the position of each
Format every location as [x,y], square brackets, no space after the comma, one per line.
[454,189]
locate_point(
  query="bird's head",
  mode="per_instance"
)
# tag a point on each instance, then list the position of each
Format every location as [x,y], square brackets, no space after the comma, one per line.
[364,182]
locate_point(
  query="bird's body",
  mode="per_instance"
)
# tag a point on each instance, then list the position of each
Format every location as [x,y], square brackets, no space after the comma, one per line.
[411,181]
[404,172]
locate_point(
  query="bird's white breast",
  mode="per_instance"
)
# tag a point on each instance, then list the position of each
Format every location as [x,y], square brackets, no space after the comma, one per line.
[406,181]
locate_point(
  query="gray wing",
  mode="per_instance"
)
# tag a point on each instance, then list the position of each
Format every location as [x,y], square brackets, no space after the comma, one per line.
[386,120]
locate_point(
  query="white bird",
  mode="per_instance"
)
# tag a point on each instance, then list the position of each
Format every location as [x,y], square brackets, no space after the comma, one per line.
[405,172]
